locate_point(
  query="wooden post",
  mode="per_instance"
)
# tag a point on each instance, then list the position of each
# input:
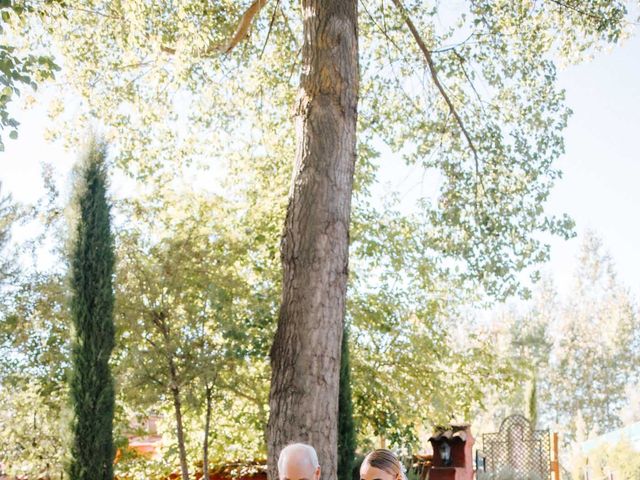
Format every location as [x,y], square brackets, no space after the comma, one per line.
[555,463]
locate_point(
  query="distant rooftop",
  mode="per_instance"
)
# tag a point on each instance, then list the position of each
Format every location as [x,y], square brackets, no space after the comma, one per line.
[630,433]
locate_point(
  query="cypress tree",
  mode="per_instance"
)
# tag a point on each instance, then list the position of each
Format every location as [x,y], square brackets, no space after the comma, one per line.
[92,299]
[533,403]
[346,430]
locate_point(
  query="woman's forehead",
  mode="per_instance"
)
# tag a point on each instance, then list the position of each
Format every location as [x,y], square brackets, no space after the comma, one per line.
[374,472]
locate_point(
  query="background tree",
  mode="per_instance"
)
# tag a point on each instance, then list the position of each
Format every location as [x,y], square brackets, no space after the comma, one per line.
[473,99]
[618,461]
[92,299]
[34,358]
[191,322]
[597,344]
[31,443]
[346,428]
[170,319]
[583,349]
[533,403]
[10,214]
[34,349]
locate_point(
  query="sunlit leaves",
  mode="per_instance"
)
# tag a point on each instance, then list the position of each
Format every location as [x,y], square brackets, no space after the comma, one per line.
[18,69]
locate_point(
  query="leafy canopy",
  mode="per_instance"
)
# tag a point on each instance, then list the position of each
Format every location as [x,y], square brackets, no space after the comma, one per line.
[174,108]
[152,73]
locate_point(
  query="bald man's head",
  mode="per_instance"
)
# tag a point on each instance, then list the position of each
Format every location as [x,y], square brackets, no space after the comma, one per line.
[298,461]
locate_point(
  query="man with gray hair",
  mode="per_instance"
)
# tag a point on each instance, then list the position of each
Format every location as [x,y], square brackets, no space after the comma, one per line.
[298,461]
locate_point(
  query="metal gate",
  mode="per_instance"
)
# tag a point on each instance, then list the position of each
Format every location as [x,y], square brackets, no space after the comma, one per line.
[516,452]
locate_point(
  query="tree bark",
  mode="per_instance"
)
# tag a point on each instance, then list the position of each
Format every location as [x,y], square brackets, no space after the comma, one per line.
[207,424]
[305,356]
[177,405]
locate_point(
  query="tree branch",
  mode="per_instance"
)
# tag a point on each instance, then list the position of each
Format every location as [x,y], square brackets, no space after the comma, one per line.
[273,19]
[239,35]
[243,26]
[453,47]
[586,13]
[580,11]
[246,396]
[436,81]
[461,61]
[382,30]
[94,12]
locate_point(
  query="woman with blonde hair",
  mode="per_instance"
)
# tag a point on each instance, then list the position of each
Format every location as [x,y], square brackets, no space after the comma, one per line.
[381,464]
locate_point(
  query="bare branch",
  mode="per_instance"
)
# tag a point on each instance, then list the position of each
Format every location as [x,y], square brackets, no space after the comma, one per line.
[239,35]
[169,50]
[94,12]
[461,61]
[287,24]
[273,19]
[254,399]
[436,81]
[382,30]
[243,28]
[453,47]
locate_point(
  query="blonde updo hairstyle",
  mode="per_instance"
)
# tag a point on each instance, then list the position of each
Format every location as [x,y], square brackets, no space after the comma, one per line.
[387,461]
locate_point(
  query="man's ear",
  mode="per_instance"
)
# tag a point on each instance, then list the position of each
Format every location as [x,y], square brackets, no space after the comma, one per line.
[317,475]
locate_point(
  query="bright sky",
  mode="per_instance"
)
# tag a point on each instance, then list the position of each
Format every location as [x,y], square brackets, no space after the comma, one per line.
[600,188]
[601,184]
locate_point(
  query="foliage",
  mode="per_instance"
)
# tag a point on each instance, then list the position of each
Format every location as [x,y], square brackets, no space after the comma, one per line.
[476,227]
[496,59]
[31,431]
[34,352]
[630,413]
[597,346]
[583,349]
[611,461]
[194,315]
[16,68]
[92,299]
[403,307]
[238,420]
[34,332]
[10,215]
[182,118]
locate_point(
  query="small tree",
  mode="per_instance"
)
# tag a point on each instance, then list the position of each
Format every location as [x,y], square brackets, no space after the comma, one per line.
[346,431]
[533,402]
[91,383]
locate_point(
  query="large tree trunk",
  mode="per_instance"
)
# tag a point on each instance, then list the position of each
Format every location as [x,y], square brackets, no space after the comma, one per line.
[305,356]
